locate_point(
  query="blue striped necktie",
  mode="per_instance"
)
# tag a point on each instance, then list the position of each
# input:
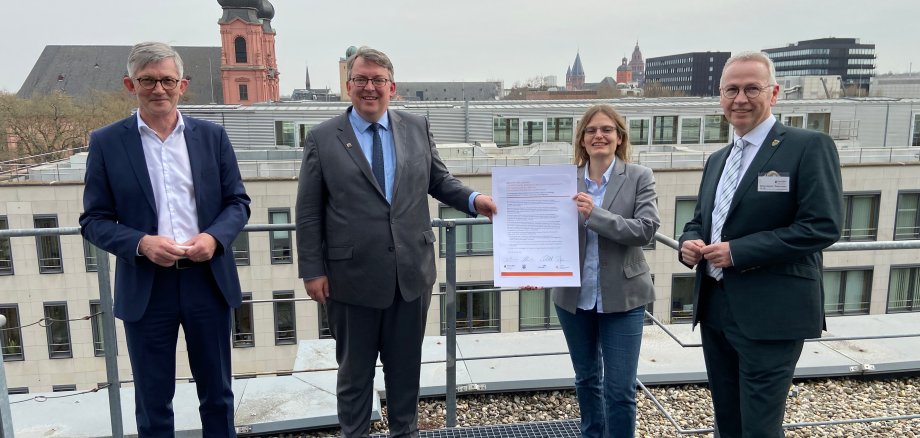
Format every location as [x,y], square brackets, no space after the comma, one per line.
[731,178]
[377,159]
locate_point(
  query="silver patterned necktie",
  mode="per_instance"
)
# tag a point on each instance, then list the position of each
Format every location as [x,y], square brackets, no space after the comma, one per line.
[732,176]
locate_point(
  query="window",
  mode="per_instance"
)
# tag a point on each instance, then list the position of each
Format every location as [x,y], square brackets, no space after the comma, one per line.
[537,310]
[471,239]
[58,330]
[324,332]
[244,92]
[794,121]
[6,251]
[240,248]
[477,308]
[690,131]
[63,388]
[505,131]
[243,334]
[280,241]
[638,131]
[18,390]
[860,216]
[533,131]
[12,333]
[89,256]
[915,136]
[715,130]
[559,129]
[95,313]
[284,133]
[665,130]
[49,247]
[907,217]
[819,122]
[285,318]
[682,298]
[846,292]
[239,45]
[904,289]
[683,212]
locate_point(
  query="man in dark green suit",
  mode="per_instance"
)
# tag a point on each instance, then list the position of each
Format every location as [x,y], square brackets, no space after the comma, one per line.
[767,205]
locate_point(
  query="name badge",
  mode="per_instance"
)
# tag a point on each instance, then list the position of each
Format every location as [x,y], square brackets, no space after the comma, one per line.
[773,181]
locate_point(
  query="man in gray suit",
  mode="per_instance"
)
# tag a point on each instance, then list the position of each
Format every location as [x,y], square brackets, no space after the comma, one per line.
[768,204]
[365,244]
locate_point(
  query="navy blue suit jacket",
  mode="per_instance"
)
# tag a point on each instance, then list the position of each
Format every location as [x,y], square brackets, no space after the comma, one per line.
[119,207]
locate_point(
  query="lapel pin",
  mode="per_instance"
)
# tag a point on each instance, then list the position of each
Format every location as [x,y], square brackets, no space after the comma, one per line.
[348,145]
[775,143]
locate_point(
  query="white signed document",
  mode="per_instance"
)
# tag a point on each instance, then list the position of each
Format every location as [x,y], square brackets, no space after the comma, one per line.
[535,233]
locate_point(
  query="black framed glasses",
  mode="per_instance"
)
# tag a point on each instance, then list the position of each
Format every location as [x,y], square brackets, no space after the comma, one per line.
[361,81]
[148,83]
[751,91]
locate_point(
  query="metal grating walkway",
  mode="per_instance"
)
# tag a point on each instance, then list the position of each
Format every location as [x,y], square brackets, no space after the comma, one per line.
[544,429]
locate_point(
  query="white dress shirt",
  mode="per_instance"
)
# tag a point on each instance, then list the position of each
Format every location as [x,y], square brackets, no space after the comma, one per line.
[171,179]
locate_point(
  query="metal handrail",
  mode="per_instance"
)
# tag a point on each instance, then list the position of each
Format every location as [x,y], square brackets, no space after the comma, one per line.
[451,389]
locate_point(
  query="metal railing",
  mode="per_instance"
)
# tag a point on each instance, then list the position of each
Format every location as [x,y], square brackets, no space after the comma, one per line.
[113,384]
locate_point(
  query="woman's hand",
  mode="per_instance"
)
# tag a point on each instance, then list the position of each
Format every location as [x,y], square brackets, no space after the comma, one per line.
[585,204]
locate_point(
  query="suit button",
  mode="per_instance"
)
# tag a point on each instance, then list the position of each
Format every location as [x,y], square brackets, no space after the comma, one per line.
[391,249]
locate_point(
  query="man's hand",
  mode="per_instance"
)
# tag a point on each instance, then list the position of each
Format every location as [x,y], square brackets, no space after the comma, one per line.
[317,288]
[485,206]
[691,252]
[718,254]
[160,250]
[202,247]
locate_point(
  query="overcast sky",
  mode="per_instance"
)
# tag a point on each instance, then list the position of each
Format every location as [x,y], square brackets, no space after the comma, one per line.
[471,40]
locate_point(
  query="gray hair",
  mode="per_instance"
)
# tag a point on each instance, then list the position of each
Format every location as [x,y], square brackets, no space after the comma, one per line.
[146,53]
[760,57]
[369,55]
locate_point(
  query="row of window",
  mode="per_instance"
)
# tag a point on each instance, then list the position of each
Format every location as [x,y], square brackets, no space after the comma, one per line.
[799,52]
[803,72]
[861,51]
[50,258]
[57,330]
[799,62]
[861,71]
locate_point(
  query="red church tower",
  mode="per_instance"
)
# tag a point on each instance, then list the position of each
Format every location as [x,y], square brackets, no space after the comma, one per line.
[248,70]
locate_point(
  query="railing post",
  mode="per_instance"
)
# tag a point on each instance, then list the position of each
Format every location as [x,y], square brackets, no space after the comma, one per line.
[109,344]
[450,310]
[6,417]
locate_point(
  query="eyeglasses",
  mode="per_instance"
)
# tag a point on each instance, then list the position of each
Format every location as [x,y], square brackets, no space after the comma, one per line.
[751,91]
[605,130]
[360,81]
[151,83]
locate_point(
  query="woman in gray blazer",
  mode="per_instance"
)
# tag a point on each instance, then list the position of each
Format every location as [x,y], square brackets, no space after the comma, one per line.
[603,319]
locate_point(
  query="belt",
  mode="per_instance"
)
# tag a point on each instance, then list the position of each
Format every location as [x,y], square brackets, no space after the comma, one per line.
[186,263]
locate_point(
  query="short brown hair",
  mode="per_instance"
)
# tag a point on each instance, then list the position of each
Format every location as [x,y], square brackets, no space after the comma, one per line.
[369,55]
[623,150]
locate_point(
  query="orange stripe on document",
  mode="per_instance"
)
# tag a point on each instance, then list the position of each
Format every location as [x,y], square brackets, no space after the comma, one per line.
[536,274]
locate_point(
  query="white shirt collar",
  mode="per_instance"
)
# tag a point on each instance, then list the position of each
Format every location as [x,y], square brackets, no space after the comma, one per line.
[757,135]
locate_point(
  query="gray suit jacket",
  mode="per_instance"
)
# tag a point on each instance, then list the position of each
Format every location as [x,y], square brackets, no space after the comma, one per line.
[348,232]
[625,221]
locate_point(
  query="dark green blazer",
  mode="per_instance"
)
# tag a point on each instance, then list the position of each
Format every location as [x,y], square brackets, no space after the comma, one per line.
[774,290]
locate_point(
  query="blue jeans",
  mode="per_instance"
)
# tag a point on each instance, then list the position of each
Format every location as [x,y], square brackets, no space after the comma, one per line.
[605,354]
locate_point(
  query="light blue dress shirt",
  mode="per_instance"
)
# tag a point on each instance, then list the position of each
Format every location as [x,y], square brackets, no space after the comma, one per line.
[590,294]
[365,137]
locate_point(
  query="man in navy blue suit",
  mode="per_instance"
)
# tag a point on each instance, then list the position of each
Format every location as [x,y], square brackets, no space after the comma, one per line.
[164,194]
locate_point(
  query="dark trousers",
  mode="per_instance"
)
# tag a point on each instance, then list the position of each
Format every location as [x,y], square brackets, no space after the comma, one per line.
[749,379]
[189,297]
[395,333]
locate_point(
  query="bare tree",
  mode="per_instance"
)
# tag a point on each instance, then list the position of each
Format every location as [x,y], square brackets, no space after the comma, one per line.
[656,89]
[52,125]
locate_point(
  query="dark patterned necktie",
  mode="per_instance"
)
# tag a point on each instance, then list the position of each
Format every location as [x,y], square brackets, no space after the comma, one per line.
[377,158]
